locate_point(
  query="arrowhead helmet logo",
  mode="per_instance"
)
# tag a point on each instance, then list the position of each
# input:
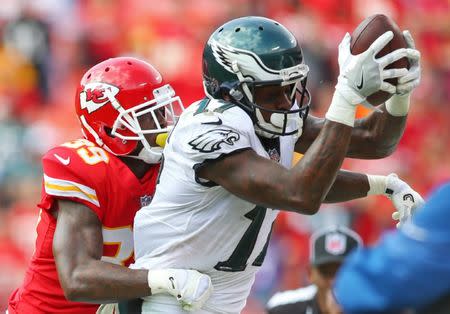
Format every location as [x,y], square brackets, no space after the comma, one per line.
[94,97]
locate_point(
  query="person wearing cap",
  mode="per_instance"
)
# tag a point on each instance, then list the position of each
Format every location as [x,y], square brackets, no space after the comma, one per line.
[328,248]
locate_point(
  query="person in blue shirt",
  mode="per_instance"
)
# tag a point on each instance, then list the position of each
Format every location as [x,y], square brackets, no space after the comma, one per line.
[408,269]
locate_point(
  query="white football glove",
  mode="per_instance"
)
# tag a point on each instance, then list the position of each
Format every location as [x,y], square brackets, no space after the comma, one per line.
[398,104]
[406,201]
[411,79]
[190,287]
[362,75]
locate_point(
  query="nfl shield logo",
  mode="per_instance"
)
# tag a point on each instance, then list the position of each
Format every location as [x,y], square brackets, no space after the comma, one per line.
[274,155]
[335,243]
[146,200]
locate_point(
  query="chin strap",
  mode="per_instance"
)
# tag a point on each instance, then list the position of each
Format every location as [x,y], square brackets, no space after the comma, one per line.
[152,156]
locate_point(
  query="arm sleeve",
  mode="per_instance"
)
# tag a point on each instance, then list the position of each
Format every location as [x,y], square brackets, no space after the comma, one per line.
[408,268]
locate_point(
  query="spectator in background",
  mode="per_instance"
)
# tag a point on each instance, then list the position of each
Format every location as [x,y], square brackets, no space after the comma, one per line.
[328,248]
[409,268]
[29,35]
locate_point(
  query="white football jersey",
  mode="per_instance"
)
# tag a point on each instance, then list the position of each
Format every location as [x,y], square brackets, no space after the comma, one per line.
[194,223]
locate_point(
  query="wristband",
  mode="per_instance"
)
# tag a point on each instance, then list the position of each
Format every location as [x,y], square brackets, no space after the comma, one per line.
[341,110]
[158,280]
[377,184]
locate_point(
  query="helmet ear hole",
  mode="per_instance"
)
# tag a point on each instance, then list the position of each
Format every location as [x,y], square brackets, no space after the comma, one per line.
[115,144]
[108,131]
[121,127]
[224,93]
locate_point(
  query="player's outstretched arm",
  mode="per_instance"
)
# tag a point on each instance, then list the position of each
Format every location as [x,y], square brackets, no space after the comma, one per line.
[78,247]
[351,185]
[300,189]
[378,134]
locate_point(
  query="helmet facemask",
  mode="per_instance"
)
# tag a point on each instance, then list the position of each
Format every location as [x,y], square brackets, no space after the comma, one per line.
[282,122]
[162,111]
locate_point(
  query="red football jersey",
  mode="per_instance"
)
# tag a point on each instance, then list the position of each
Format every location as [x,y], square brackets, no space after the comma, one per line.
[81,172]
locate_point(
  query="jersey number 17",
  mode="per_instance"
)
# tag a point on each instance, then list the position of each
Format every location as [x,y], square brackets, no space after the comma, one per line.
[239,258]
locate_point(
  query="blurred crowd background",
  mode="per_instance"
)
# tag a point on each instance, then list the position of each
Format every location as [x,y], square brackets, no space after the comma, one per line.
[46,45]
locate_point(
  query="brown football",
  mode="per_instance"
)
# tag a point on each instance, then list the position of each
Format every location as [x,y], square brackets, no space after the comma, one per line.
[366,33]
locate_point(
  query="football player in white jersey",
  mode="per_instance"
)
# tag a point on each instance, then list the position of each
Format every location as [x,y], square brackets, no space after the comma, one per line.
[226,168]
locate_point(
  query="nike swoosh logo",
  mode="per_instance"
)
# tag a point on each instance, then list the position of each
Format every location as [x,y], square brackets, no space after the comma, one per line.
[360,85]
[218,122]
[64,161]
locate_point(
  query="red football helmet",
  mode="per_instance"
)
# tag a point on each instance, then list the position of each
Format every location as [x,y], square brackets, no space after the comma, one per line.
[111,98]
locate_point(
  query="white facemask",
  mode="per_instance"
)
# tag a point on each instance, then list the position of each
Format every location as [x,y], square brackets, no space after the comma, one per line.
[294,122]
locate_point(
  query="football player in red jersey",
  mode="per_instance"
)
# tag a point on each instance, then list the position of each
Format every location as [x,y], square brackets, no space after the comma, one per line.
[92,188]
